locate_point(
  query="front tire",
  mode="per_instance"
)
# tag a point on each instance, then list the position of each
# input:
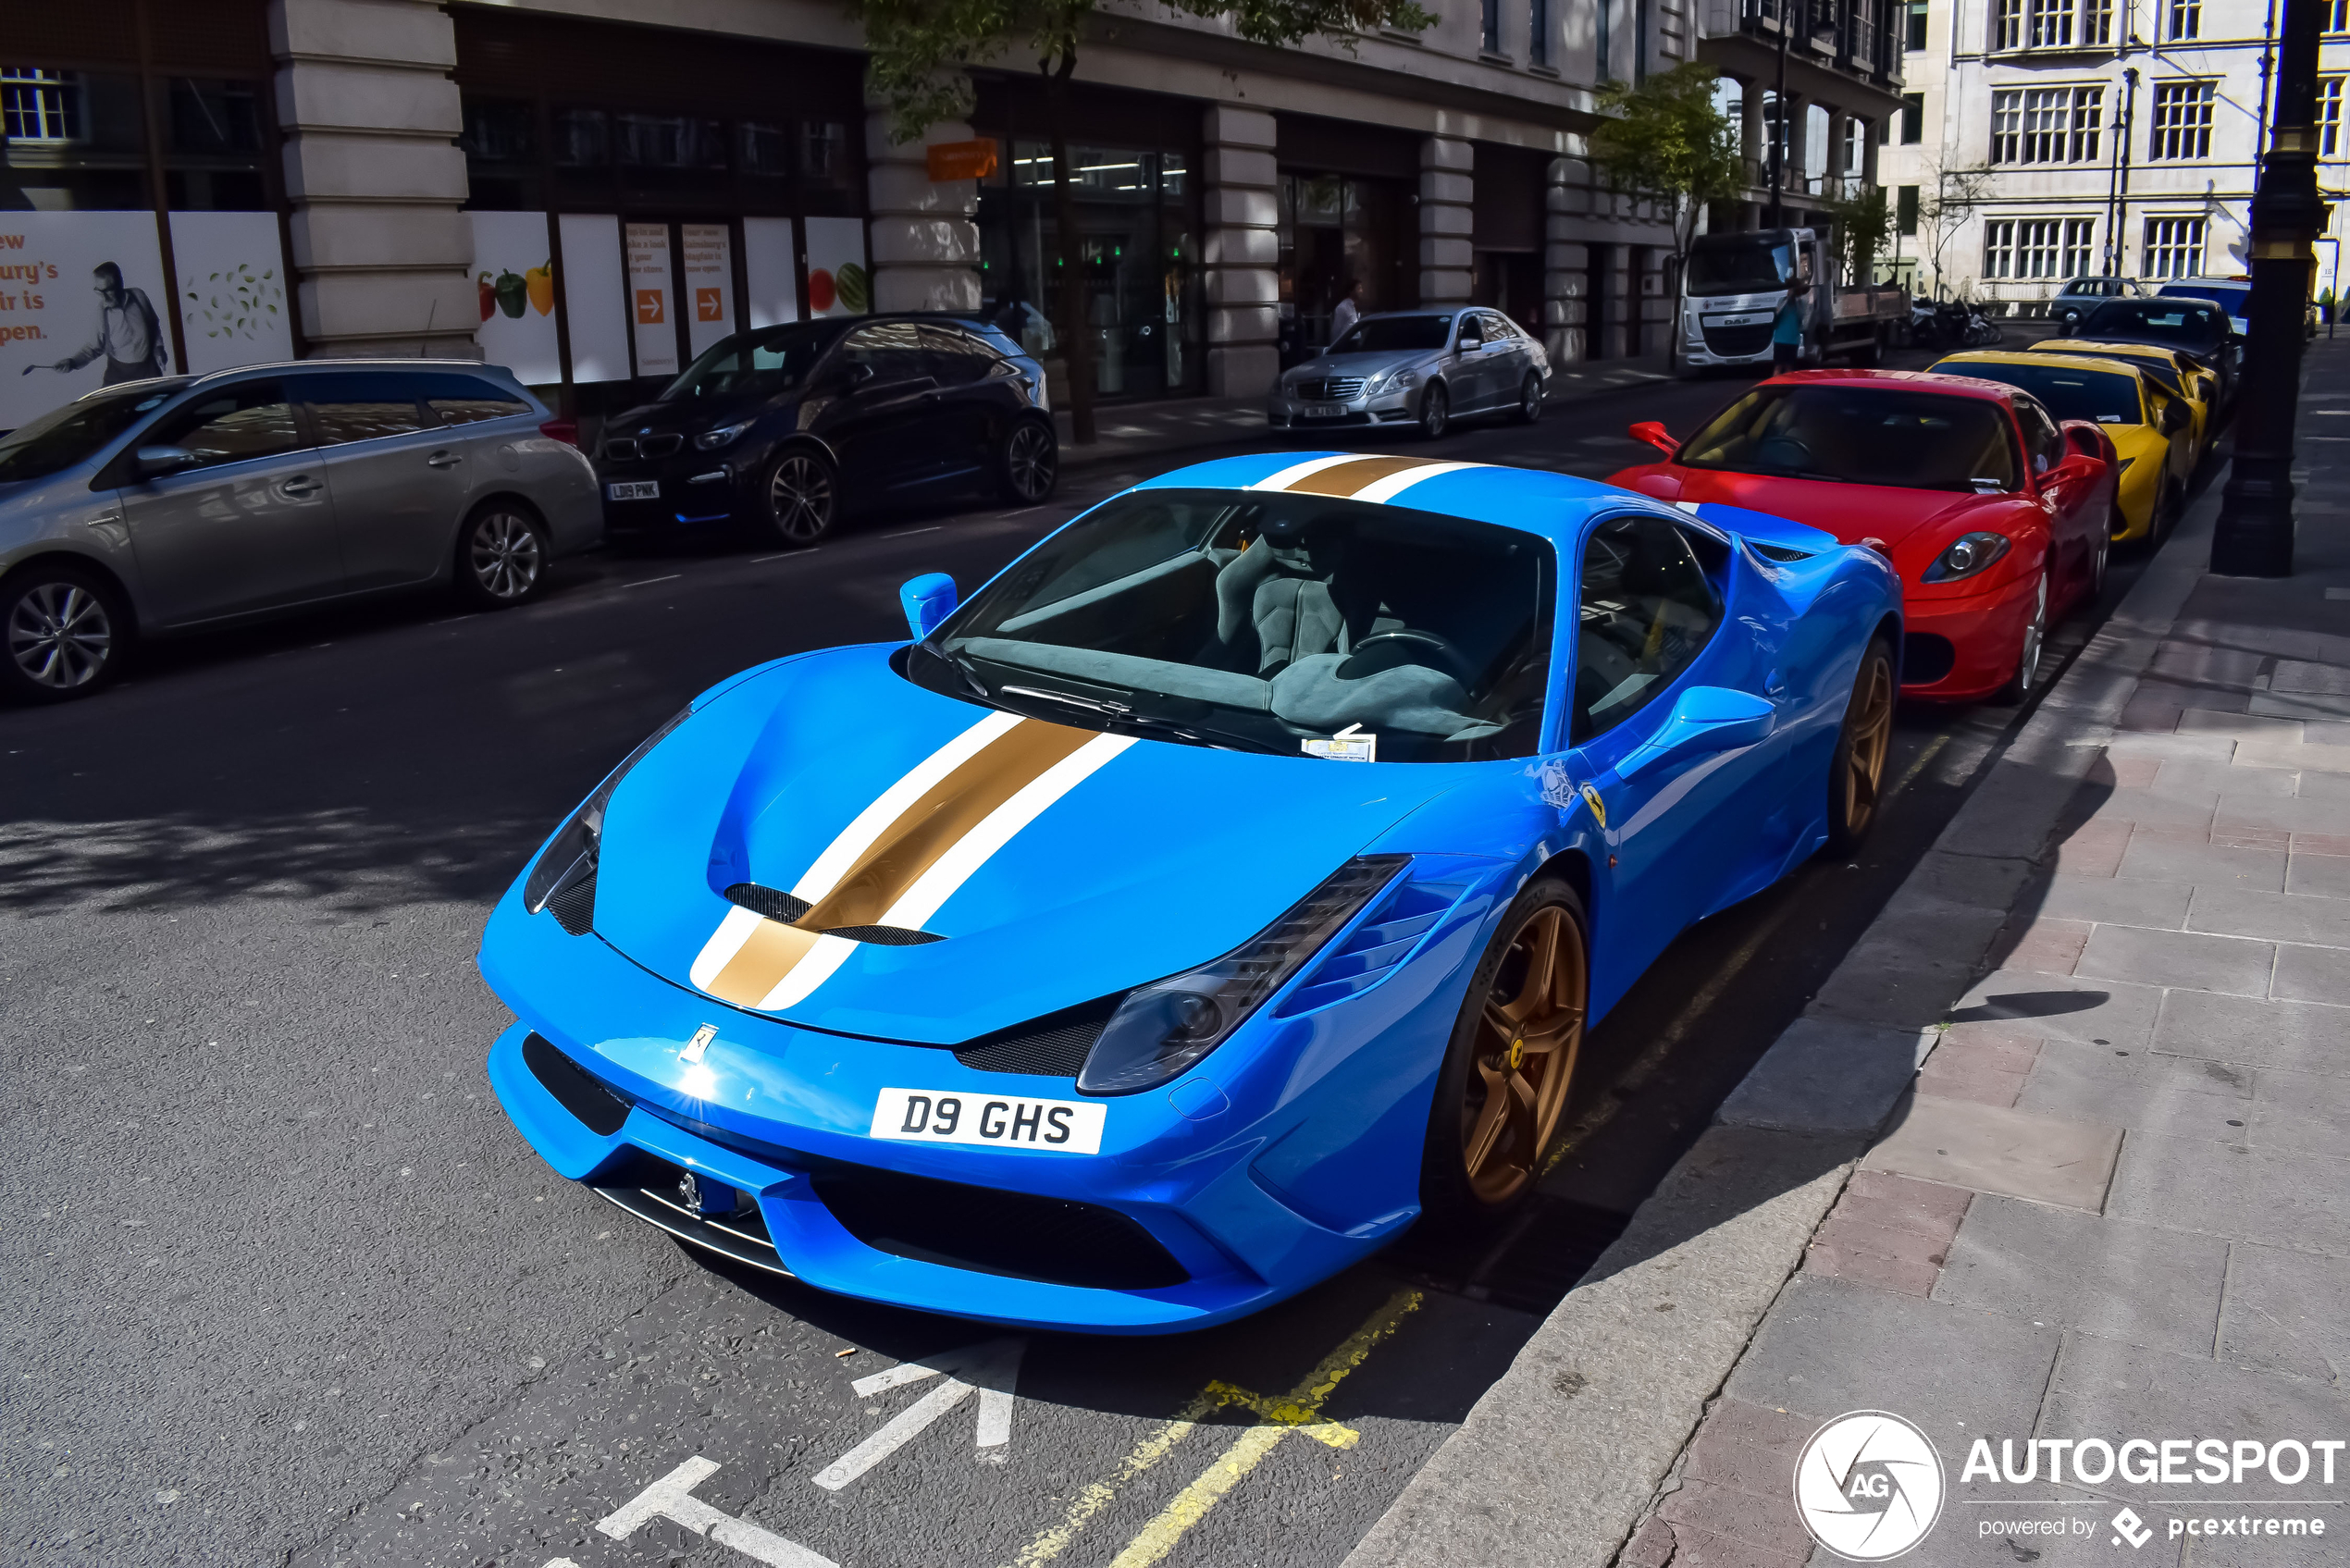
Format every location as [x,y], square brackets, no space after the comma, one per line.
[501,556]
[802,496]
[1028,465]
[1856,771]
[1529,399]
[2027,659]
[1436,410]
[64,633]
[1504,1081]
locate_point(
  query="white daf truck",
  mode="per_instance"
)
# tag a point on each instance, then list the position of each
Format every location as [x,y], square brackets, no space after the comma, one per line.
[1734,284]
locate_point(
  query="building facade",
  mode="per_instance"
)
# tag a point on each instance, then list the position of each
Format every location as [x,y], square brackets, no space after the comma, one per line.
[593,191]
[2068,138]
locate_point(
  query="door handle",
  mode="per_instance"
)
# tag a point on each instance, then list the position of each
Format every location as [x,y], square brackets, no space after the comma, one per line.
[300,485]
[444,459]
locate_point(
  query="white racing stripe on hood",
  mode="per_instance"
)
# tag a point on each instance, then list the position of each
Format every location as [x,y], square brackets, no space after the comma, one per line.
[821,878]
[828,954]
[724,943]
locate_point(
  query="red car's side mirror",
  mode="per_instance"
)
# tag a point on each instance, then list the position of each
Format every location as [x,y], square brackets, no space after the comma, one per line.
[1653,432]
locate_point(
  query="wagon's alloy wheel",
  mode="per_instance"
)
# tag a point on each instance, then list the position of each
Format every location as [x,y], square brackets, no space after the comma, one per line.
[1029,462]
[799,498]
[60,635]
[1527,1034]
[506,557]
[1872,741]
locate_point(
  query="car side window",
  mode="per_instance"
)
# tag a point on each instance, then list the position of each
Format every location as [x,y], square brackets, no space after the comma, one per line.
[1472,333]
[956,358]
[891,349]
[360,405]
[1497,327]
[1645,610]
[2041,437]
[233,425]
[453,398]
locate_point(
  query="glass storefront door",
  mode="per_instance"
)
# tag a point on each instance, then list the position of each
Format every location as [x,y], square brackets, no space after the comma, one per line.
[1335,231]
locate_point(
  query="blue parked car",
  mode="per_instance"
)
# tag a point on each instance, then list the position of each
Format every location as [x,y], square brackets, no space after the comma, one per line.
[1227,884]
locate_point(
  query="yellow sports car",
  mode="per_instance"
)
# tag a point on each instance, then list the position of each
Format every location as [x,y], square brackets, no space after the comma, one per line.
[2153,434]
[2175,372]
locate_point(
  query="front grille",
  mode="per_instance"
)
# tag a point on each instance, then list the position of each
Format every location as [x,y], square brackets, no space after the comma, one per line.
[1739,341]
[789,910]
[1925,658]
[1052,1046]
[630,449]
[1014,1234]
[1332,390]
[648,1188]
[573,905]
[574,1088]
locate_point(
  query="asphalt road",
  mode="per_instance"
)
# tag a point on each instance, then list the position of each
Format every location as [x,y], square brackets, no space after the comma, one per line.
[284,1286]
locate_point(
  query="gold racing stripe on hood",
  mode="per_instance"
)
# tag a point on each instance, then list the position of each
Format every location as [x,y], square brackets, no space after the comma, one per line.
[1346,478]
[921,835]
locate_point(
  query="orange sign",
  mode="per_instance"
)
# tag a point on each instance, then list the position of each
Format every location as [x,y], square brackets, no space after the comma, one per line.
[962,160]
[709,305]
[649,307]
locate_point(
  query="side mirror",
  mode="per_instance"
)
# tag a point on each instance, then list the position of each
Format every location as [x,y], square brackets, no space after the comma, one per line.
[1706,718]
[1653,432]
[155,461]
[2175,417]
[928,600]
[1471,340]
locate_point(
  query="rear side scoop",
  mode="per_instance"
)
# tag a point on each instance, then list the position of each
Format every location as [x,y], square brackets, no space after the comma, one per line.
[1762,527]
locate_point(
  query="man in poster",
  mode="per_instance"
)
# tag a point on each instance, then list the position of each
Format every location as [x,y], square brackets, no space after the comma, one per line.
[129,334]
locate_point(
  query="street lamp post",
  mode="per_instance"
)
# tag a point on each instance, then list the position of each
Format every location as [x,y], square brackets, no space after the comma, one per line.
[2254,534]
[1778,124]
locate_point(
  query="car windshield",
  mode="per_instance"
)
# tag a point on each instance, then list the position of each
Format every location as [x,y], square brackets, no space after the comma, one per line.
[2235,299]
[1266,622]
[1739,265]
[752,363]
[2155,364]
[1394,335]
[1859,435]
[2110,397]
[64,437]
[2191,324]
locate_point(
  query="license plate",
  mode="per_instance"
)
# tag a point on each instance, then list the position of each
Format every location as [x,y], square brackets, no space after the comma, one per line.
[989,1121]
[1325,411]
[635,489]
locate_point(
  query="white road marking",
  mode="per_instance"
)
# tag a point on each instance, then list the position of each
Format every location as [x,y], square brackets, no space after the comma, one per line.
[671,1498]
[650,581]
[991,1368]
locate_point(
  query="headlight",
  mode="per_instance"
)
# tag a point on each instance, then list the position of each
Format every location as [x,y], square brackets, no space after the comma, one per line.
[710,440]
[1162,1029]
[1387,381]
[570,857]
[1971,554]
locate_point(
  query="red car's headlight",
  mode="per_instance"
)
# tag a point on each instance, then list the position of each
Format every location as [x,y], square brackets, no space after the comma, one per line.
[1970,554]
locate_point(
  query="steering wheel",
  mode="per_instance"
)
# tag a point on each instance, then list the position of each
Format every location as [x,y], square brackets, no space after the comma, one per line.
[1411,643]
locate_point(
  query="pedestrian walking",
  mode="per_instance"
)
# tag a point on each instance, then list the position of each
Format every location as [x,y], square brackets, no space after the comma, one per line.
[1349,309]
[1786,332]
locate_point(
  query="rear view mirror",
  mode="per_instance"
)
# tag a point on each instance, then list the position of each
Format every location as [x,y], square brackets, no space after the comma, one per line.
[928,600]
[1653,432]
[2174,418]
[1705,719]
[155,461]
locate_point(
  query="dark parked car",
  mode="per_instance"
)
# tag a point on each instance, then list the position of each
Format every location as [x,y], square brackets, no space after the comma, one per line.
[158,506]
[783,428]
[2080,296]
[2197,326]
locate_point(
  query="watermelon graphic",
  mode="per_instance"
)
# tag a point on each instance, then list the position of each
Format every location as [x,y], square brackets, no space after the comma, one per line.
[855,295]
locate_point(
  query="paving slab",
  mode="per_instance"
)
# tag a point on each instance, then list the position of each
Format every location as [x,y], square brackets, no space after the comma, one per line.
[2178,958]
[1824,1075]
[2315,974]
[2278,917]
[2155,858]
[2284,1315]
[2135,1283]
[2059,1007]
[2300,1036]
[2138,1089]
[2307,1111]
[2156,905]
[2281,1196]
[2022,1154]
[2325,876]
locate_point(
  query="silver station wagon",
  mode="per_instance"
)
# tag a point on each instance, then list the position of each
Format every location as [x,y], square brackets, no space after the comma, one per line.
[1415,367]
[166,505]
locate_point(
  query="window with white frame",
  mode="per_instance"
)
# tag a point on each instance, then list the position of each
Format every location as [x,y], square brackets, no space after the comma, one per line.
[2096,23]
[2056,24]
[2046,125]
[38,105]
[2037,248]
[2007,24]
[2182,19]
[2329,116]
[1853,157]
[2181,121]
[2174,247]
[2338,16]
[2049,24]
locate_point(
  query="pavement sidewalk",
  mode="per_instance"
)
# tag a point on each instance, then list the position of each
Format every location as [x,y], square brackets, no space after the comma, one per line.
[2061,1151]
[1126,431]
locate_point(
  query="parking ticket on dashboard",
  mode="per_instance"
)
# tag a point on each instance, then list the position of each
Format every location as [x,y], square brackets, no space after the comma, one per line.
[991,1121]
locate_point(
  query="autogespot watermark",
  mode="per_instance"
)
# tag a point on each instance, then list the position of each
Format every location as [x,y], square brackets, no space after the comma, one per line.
[1870,1485]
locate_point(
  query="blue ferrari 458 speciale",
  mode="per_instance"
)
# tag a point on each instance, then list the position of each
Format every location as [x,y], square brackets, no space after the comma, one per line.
[1223,886]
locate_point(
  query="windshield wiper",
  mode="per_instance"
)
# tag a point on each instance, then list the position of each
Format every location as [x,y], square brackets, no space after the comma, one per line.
[1121,713]
[960,663]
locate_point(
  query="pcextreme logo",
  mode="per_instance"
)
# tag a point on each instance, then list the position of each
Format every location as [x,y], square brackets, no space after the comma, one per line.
[1869,1486]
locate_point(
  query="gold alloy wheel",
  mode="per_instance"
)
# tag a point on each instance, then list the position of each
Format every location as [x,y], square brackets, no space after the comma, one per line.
[1527,1033]
[1872,741]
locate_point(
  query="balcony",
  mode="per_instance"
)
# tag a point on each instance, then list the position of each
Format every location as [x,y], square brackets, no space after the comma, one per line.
[1854,37]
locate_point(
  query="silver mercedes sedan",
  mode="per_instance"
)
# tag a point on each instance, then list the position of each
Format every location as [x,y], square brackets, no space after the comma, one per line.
[181,502]
[1417,367]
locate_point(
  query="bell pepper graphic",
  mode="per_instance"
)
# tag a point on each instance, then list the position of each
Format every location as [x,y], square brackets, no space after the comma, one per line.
[513,293]
[819,290]
[541,282]
[489,296]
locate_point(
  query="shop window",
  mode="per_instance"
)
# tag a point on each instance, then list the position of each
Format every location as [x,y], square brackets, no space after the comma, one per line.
[501,145]
[824,153]
[766,151]
[38,106]
[1333,231]
[75,142]
[214,162]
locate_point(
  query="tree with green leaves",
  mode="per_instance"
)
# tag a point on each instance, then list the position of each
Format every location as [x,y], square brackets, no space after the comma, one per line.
[1668,140]
[1863,229]
[921,50]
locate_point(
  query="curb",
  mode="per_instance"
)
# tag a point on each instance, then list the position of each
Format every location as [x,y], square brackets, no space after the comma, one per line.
[1565,1453]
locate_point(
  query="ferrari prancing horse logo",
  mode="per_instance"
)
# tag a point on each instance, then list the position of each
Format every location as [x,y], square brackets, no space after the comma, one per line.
[1599,806]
